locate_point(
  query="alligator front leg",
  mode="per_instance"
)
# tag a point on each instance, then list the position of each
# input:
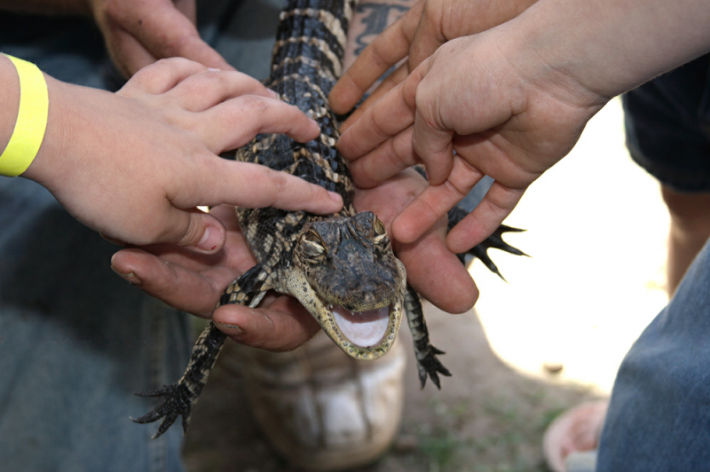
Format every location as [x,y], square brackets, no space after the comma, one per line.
[181,397]
[427,362]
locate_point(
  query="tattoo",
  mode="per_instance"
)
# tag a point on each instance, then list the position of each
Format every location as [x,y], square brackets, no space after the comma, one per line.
[375,21]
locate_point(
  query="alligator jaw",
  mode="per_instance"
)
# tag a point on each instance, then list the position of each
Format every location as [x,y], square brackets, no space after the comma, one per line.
[297,285]
[365,328]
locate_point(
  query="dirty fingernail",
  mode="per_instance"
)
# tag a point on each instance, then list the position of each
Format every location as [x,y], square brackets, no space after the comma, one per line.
[229,329]
[130,277]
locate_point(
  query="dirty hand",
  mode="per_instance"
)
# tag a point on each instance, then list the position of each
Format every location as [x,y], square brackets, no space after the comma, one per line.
[501,121]
[415,36]
[194,283]
[139,32]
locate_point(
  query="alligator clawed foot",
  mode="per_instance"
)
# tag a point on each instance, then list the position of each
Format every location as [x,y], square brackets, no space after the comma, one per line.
[494,241]
[429,365]
[177,402]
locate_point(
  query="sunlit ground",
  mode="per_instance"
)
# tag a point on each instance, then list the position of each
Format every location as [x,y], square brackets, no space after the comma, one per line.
[597,231]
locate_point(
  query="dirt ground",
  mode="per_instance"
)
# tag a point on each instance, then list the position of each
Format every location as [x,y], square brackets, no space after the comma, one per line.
[487,417]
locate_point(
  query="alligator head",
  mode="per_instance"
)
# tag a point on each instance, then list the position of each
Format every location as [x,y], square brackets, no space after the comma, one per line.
[346,275]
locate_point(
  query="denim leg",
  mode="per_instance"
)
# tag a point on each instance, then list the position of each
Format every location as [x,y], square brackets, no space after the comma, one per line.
[659,415]
[76,341]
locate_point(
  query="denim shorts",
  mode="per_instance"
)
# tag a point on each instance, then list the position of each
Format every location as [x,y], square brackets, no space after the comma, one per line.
[668,126]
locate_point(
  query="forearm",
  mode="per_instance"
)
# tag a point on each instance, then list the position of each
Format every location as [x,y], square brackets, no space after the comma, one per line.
[46,6]
[9,100]
[609,46]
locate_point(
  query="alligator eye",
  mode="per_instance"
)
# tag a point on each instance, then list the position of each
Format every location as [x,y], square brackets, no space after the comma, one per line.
[380,235]
[379,227]
[313,247]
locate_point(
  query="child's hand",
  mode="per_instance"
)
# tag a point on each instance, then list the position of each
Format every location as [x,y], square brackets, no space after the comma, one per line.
[136,164]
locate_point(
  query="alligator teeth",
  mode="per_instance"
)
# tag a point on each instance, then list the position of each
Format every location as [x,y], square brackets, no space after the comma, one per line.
[364,329]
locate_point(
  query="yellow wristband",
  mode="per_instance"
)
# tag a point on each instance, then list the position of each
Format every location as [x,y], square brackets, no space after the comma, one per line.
[31,120]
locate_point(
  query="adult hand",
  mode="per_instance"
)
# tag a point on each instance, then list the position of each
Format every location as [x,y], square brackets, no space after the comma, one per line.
[193,283]
[415,36]
[432,269]
[139,32]
[136,164]
[509,120]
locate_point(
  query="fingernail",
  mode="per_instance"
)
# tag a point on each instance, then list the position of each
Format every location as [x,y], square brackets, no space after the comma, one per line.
[274,94]
[115,241]
[229,329]
[211,239]
[212,69]
[129,277]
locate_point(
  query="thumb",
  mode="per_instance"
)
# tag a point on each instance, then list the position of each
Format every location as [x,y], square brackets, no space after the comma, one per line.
[196,230]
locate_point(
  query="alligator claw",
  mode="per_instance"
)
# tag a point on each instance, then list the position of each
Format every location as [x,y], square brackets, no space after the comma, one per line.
[177,402]
[494,241]
[430,366]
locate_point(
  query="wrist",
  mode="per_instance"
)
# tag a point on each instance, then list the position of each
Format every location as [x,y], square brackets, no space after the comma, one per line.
[50,158]
[607,47]
[30,100]
[9,100]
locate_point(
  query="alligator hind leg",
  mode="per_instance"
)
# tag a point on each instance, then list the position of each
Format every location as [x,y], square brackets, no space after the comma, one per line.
[180,397]
[427,362]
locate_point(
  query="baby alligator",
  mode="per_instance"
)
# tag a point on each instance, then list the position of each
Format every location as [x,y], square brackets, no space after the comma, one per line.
[340,267]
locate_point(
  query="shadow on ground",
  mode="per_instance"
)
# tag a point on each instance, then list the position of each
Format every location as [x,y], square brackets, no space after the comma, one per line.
[486,418]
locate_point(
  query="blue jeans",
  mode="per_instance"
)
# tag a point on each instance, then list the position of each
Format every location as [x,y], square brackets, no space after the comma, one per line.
[659,413]
[76,341]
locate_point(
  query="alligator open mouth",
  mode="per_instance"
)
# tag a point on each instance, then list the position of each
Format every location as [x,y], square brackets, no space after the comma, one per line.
[364,329]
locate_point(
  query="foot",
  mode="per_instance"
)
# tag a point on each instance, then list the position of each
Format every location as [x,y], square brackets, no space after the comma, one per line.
[570,441]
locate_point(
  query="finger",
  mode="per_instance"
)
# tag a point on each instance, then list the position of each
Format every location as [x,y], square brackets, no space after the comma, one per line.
[192,229]
[437,274]
[127,53]
[161,76]
[388,48]
[178,286]
[166,32]
[432,269]
[282,326]
[429,34]
[253,186]
[215,181]
[392,80]
[435,202]
[235,122]
[485,218]
[187,8]
[390,158]
[392,114]
[431,141]
[202,91]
